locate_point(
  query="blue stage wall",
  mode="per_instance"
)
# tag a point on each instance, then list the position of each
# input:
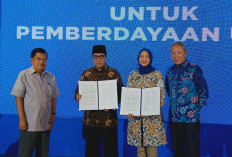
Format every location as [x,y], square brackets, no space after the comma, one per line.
[68,29]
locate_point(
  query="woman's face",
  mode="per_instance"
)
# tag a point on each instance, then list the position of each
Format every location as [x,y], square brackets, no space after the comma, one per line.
[144,58]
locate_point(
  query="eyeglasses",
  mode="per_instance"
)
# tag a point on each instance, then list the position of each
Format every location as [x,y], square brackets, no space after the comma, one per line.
[100,56]
[40,59]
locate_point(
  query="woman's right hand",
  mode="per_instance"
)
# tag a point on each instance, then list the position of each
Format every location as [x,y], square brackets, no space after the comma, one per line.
[130,116]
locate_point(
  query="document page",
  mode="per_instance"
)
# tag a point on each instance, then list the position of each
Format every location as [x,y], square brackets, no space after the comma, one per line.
[89,95]
[108,95]
[150,101]
[130,101]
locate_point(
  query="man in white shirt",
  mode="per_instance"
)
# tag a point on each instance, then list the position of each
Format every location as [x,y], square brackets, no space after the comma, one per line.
[35,91]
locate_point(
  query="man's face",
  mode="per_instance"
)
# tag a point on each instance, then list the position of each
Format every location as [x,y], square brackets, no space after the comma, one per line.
[39,62]
[178,54]
[99,60]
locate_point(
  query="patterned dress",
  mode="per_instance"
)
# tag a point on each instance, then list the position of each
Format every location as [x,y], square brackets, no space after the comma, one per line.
[148,131]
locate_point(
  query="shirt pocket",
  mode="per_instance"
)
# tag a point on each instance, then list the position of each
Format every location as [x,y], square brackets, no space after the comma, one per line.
[49,90]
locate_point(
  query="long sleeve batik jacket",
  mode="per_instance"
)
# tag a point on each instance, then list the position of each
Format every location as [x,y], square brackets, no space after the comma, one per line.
[187,90]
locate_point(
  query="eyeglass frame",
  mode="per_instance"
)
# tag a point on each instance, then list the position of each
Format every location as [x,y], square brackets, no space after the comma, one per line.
[99,56]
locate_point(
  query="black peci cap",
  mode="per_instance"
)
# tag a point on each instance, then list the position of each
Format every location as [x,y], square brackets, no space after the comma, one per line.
[99,49]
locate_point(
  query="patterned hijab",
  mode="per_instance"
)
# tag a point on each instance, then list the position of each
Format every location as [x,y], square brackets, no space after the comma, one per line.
[146,69]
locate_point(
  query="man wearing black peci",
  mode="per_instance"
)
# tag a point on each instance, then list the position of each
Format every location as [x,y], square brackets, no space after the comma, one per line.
[100,124]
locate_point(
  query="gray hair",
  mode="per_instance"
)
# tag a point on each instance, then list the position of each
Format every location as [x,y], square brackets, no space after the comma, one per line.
[179,44]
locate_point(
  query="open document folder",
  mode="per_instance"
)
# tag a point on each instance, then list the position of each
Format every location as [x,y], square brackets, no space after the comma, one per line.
[140,101]
[98,95]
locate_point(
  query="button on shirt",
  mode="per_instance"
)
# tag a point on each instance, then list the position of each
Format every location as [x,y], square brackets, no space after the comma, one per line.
[37,91]
[188,92]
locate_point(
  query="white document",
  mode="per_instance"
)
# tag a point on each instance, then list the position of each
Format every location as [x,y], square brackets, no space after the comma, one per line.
[150,101]
[98,95]
[89,95]
[130,101]
[108,95]
[139,101]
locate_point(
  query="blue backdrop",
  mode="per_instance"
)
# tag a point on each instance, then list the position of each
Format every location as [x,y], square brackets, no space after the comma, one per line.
[68,30]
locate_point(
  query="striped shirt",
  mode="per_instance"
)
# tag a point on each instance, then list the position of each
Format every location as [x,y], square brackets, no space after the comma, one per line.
[37,91]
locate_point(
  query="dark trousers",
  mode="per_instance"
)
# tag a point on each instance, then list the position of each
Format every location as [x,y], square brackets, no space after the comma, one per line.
[109,138]
[28,141]
[185,134]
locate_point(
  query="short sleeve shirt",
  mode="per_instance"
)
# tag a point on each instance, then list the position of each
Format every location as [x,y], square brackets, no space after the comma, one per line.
[37,91]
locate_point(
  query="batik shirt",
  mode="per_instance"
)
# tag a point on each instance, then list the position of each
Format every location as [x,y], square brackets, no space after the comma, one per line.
[188,92]
[100,118]
[152,132]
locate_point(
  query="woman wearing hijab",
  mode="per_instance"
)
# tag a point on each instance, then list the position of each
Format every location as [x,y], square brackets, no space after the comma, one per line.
[146,132]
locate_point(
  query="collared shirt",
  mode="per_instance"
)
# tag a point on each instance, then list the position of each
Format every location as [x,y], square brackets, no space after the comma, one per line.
[101,118]
[37,91]
[188,92]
